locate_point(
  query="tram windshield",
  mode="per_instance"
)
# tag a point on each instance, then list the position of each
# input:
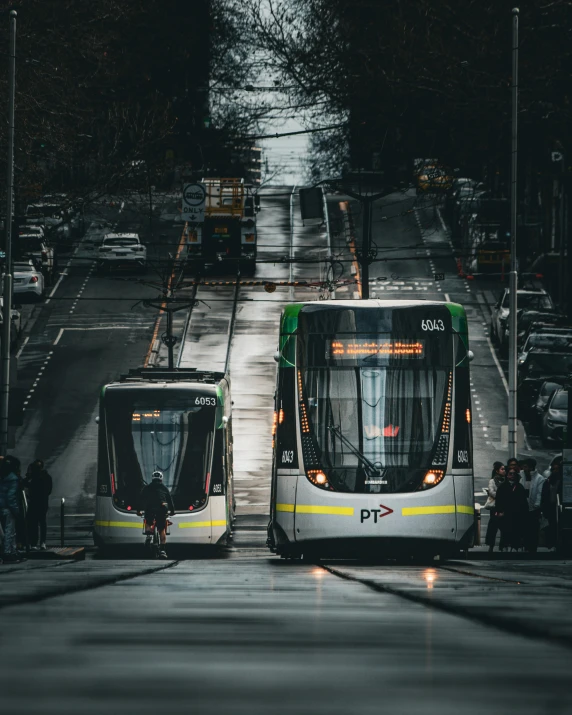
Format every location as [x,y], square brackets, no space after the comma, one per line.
[172,435]
[374,402]
[372,419]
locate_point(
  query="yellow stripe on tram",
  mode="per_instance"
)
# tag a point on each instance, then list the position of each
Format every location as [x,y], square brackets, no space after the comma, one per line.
[427,510]
[465,509]
[312,509]
[336,510]
[121,524]
[200,524]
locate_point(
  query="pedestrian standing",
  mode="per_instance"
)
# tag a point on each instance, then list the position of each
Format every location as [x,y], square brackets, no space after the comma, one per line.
[39,485]
[535,481]
[497,478]
[512,510]
[9,506]
[513,463]
[551,488]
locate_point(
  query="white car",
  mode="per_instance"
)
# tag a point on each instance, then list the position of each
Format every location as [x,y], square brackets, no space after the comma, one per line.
[527,299]
[31,230]
[28,280]
[122,249]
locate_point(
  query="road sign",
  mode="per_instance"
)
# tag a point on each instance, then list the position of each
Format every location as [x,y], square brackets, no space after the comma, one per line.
[194,198]
[439,276]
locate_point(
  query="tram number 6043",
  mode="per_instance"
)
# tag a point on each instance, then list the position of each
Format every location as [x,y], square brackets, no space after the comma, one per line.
[210,401]
[287,456]
[432,324]
[462,456]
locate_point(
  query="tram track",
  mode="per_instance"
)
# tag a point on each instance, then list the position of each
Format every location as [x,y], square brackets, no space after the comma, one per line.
[491,615]
[211,318]
[22,599]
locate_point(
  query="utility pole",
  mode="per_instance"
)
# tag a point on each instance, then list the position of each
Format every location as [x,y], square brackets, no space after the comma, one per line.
[366,201]
[7,291]
[513,285]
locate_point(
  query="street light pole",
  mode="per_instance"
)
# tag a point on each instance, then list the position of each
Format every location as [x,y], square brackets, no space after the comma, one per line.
[365,248]
[7,293]
[513,285]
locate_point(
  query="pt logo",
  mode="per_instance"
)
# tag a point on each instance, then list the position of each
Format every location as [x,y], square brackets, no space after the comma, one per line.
[376,513]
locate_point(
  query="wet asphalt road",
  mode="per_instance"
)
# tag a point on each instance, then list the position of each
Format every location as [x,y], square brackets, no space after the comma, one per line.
[249,633]
[245,632]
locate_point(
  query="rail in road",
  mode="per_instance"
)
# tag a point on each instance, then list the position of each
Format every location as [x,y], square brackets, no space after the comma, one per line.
[482,593]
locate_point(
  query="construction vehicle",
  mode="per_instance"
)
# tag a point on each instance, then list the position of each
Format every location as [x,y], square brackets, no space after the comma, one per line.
[227,236]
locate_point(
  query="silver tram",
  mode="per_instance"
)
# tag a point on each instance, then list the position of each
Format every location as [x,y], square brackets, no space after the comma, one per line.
[178,421]
[373,441]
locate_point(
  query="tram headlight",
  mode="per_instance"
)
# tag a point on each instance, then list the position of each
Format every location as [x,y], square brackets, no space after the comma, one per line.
[318,477]
[432,478]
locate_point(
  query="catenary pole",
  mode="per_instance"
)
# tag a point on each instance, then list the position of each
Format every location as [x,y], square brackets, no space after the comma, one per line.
[513,285]
[7,289]
[366,247]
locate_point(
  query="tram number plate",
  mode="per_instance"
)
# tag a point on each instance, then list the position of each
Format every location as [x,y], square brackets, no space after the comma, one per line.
[287,456]
[432,324]
[462,456]
[210,401]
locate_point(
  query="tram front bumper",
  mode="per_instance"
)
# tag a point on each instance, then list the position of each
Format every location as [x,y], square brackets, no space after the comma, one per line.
[113,528]
[393,521]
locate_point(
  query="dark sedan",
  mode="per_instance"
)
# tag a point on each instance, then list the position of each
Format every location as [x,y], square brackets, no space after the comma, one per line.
[555,417]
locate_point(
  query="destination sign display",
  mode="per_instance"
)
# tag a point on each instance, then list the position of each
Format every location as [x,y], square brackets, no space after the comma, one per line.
[356,348]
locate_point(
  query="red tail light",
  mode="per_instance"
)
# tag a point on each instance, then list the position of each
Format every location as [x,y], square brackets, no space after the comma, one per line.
[34,279]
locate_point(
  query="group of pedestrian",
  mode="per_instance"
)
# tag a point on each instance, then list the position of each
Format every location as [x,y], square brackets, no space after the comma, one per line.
[23,507]
[522,505]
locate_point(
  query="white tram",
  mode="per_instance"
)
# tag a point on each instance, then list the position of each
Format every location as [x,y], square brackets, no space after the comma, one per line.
[179,422]
[373,442]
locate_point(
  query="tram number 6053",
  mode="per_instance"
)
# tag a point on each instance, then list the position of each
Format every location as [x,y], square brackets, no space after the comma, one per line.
[462,456]
[287,456]
[432,324]
[210,401]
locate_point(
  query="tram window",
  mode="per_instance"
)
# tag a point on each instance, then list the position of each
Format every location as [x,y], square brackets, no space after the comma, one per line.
[462,454]
[389,417]
[217,471]
[286,442]
[177,439]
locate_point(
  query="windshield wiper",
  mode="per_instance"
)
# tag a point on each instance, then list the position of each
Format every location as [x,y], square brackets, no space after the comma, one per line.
[355,451]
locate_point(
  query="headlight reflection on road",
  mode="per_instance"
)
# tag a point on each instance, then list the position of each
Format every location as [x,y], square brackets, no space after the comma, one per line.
[430,575]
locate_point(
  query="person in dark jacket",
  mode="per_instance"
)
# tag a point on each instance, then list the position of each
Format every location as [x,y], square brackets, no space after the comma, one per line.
[39,485]
[155,502]
[9,506]
[511,508]
[551,488]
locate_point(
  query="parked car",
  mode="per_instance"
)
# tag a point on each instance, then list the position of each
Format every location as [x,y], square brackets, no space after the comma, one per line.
[122,250]
[28,280]
[547,389]
[525,318]
[545,337]
[537,299]
[540,367]
[31,230]
[40,251]
[557,326]
[60,220]
[555,417]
